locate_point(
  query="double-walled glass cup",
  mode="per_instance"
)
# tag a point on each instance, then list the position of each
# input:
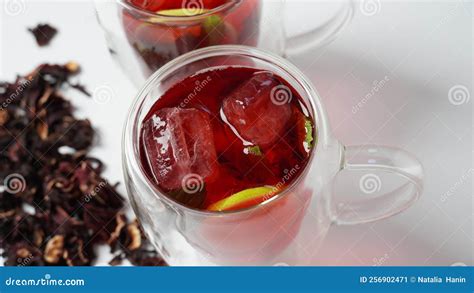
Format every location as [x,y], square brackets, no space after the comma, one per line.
[142,41]
[289,227]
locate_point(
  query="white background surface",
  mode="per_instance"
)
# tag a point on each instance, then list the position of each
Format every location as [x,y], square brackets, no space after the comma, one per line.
[424,48]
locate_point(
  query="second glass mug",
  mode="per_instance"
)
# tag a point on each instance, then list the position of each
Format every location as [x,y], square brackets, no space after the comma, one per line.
[289,227]
[142,41]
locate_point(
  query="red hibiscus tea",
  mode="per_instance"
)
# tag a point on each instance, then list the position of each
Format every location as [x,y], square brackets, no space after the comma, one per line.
[181,26]
[226,138]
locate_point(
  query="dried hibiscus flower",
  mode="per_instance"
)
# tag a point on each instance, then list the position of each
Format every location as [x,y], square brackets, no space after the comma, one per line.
[43,34]
[55,206]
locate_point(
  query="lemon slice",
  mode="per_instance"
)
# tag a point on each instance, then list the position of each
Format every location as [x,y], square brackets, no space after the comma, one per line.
[183,11]
[243,199]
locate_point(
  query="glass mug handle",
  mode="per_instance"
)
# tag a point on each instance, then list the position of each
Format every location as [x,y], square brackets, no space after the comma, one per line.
[323,34]
[378,159]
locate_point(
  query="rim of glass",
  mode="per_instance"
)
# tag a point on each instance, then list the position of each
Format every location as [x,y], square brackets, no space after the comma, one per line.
[129,6]
[131,123]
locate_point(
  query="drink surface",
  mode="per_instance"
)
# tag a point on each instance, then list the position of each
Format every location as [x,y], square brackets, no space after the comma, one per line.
[157,41]
[226,138]
[160,5]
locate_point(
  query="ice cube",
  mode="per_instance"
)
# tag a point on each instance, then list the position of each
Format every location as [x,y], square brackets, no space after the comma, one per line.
[179,143]
[259,109]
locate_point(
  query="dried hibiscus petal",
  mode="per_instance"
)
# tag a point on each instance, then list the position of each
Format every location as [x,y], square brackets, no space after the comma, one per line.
[71,207]
[43,34]
[54,249]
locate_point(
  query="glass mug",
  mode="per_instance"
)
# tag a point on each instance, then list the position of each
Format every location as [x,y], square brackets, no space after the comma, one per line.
[289,227]
[142,41]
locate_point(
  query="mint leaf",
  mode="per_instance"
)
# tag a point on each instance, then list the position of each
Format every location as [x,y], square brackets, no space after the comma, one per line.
[212,22]
[308,125]
[254,150]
